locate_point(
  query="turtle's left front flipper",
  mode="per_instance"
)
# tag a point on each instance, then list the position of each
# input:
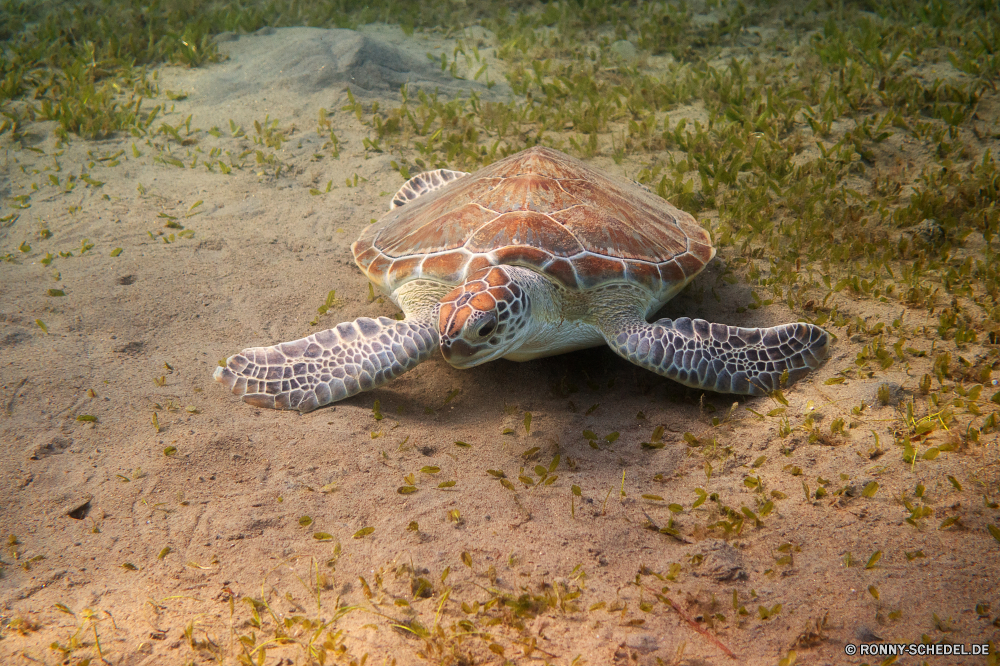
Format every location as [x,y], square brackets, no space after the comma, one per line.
[716,357]
[330,365]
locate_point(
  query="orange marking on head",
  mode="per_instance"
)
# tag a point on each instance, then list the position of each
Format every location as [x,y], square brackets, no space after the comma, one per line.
[451,298]
[462,315]
[453,312]
[501,294]
[483,301]
[447,310]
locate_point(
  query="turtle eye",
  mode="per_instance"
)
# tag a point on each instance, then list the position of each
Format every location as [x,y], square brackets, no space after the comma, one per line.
[486,330]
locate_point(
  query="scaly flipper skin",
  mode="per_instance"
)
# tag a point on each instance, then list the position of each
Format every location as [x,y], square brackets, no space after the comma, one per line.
[330,365]
[716,357]
[423,183]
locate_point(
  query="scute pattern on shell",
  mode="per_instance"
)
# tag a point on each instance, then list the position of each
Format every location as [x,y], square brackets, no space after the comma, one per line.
[543,210]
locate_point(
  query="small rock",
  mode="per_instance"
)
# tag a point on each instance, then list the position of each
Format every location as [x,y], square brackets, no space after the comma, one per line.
[642,642]
[885,394]
[539,625]
[929,231]
[722,562]
[72,501]
[303,61]
[625,51]
[866,635]
[47,445]
[857,487]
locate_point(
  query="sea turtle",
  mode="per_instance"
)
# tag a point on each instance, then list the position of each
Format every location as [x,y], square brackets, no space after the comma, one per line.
[534,255]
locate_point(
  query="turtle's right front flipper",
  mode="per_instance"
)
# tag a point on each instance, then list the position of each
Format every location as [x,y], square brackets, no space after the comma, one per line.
[330,365]
[716,357]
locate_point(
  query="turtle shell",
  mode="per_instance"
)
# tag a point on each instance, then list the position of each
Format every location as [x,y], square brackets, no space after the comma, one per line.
[543,210]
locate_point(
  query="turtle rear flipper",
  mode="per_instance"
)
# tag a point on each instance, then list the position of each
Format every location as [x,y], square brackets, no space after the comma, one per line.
[329,365]
[423,183]
[716,357]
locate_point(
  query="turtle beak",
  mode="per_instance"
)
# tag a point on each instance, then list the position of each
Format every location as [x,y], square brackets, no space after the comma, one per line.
[456,351]
[461,354]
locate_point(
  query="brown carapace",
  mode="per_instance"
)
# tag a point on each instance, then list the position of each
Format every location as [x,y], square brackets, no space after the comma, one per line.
[542,210]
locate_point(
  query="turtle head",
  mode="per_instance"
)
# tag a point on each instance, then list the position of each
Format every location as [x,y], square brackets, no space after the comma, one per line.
[484,318]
